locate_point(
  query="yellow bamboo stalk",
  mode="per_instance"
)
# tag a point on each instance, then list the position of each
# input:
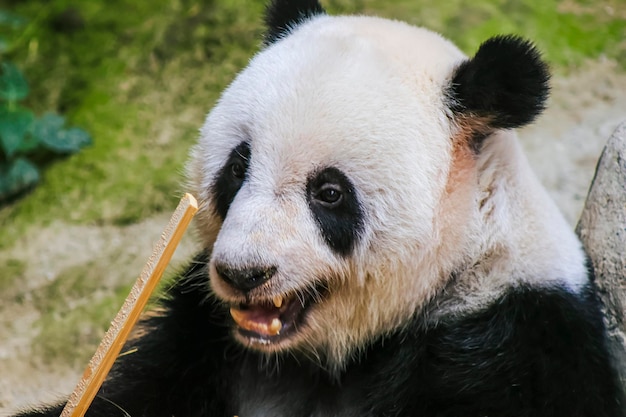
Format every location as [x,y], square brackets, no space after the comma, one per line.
[114,339]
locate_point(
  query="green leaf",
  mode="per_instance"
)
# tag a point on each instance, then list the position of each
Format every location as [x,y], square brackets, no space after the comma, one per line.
[11,19]
[4,44]
[29,143]
[47,127]
[48,124]
[75,139]
[17,176]
[49,131]
[13,85]
[13,128]
[67,141]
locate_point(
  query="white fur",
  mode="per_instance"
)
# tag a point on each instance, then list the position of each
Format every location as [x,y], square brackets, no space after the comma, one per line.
[365,95]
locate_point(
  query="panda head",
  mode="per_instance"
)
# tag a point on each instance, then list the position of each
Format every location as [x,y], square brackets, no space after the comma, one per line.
[337,174]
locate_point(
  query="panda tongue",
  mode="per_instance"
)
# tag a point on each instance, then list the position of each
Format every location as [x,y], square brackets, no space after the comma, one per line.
[261,319]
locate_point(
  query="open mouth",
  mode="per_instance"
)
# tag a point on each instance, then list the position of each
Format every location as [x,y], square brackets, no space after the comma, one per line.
[271,321]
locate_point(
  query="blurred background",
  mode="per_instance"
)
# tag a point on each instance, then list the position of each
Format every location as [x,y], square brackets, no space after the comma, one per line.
[100,101]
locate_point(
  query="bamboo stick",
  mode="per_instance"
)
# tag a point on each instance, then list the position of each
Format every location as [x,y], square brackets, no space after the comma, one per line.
[121,326]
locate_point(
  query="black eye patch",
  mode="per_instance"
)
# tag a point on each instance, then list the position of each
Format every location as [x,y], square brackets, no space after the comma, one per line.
[336,209]
[230,178]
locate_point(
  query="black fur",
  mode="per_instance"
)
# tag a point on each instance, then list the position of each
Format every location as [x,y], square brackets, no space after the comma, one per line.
[231,177]
[340,221]
[284,15]
[506,83]
[534,352]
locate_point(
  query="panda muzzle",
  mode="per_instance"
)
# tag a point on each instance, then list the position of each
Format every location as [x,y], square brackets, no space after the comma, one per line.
[267,319]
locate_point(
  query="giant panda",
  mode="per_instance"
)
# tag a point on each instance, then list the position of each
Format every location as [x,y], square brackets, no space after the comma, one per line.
[374,242]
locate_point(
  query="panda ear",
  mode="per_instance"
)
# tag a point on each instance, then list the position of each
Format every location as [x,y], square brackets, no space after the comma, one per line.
[282,16]
[505,85]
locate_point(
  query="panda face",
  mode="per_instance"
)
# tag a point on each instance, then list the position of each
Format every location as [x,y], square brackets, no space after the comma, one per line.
[320,173]
[323,173]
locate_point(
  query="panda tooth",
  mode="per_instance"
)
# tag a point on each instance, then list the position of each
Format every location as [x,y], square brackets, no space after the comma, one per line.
[278,301]
[237,315]
[275,327]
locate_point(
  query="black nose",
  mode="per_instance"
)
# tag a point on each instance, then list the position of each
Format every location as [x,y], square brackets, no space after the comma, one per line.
[244,279]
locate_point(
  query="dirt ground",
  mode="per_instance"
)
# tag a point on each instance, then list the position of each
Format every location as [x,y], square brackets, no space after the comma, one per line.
[563,147]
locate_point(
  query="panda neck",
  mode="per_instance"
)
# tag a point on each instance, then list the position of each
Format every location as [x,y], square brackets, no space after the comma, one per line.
[513,233]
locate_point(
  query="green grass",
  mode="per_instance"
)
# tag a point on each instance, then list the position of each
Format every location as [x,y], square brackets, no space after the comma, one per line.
[10,272]
[141,75]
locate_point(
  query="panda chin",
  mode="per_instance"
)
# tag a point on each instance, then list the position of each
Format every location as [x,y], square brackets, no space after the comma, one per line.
[273,322]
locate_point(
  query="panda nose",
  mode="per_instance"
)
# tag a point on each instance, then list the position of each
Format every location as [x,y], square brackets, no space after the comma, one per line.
[245,279]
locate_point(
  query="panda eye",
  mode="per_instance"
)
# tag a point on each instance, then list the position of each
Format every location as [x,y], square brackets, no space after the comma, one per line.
[334,204]
[329,195]
[238,170]
[230,178]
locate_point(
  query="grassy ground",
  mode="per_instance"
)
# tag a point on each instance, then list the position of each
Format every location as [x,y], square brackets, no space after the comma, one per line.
[140,76]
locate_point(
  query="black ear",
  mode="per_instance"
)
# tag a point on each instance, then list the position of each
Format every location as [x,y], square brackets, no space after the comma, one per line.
[283,15]
[505,84]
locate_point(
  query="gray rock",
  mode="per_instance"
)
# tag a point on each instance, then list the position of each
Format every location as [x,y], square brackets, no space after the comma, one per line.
[602,229]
